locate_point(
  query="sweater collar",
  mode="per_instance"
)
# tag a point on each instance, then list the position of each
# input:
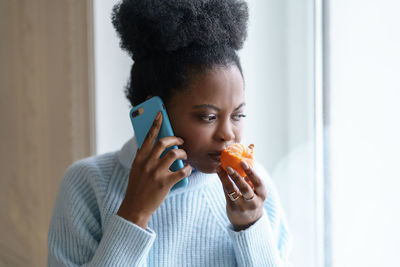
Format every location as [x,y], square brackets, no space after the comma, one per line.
[128,152]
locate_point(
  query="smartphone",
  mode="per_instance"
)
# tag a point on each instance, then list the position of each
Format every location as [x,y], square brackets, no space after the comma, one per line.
[142,118]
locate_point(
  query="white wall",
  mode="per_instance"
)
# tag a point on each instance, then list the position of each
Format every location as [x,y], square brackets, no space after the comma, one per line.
[112,68]
[364,42]
[265,72]
[294,174]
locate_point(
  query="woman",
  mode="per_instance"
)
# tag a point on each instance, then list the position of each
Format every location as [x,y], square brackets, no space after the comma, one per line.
[118,209]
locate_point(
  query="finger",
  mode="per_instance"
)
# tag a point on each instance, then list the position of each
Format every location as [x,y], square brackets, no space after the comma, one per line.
[152,134]
[163,143]
[241,183]
[182,173]
[249,182]
[171,156]
[227,184]
[257,182]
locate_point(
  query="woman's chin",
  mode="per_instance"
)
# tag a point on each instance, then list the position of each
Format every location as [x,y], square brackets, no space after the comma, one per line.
[209,168]
[204,166]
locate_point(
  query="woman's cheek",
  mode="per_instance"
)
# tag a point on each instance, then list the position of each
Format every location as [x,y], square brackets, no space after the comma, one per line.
[197,141]
[239,132]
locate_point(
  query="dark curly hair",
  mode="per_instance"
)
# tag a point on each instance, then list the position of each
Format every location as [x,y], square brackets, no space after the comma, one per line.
[171,40]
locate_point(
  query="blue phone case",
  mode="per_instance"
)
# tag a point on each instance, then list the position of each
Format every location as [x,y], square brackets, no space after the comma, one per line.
[142,118]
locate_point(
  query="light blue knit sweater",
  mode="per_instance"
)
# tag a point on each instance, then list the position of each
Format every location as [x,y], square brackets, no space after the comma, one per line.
[190,228]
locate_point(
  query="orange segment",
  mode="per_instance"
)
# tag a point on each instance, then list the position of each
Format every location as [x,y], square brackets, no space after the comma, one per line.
[234,154]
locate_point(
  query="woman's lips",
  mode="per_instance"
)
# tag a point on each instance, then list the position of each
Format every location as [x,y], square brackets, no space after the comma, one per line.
[215,156]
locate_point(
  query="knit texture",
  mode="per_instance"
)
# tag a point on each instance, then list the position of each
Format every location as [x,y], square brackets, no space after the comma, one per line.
[190,228]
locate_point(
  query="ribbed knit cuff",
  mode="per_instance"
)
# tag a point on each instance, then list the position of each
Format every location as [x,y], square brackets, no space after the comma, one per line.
[255,246]
[123,244]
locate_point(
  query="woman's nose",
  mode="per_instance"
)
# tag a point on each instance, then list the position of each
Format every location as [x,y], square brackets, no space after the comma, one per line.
[225,132]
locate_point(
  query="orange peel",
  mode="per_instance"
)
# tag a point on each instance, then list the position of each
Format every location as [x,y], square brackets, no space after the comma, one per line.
[235,153]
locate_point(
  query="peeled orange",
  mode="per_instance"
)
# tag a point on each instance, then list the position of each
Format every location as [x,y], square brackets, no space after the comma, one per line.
[234,154]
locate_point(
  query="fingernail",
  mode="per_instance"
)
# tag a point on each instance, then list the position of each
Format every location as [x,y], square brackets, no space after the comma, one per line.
[245,165]
[158,115]
[190,170]
[180,139]
[229,170]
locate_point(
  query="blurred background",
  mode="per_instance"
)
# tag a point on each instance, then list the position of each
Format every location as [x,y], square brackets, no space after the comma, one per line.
[323,93]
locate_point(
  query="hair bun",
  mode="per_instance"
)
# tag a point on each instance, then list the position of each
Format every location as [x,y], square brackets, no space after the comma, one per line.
[152,26]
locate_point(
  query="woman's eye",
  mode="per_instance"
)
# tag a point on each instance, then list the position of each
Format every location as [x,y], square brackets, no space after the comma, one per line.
[237,117]
[212,117]
[208,118]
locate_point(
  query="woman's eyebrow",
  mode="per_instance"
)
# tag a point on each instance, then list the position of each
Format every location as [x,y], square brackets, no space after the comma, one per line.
[214,107]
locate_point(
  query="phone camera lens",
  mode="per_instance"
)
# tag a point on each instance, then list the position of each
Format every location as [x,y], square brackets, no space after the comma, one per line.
[135,113]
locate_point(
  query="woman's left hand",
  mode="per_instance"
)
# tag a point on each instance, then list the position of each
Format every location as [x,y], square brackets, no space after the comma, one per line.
[244,206]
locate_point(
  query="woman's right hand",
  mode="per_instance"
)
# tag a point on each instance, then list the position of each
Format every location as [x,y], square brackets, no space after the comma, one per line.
[150,179]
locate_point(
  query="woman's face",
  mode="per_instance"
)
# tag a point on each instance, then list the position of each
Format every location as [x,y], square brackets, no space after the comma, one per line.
[209,116]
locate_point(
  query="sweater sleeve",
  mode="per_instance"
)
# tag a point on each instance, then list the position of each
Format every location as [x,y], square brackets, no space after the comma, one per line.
[76,236]
[267,242]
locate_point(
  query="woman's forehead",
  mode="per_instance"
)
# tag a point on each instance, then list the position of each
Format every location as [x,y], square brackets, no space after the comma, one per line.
[220,87]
